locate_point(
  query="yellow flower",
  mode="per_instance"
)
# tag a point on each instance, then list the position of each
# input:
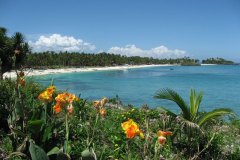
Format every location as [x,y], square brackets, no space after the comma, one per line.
[131,129]
[46,95]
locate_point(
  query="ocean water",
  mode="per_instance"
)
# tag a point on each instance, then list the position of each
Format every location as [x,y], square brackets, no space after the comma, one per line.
[220,84]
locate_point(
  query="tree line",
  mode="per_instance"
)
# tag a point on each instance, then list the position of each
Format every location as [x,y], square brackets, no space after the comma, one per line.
[217,61]
[76,59]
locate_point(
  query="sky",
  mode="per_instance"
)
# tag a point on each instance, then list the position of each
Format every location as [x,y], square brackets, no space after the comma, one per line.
[155,28]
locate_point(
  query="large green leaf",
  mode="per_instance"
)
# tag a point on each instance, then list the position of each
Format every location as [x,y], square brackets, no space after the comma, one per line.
[169,94]
[37,153]
[195,101]
[214,114]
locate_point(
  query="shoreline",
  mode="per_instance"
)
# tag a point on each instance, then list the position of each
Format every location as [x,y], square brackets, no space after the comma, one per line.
[39,72]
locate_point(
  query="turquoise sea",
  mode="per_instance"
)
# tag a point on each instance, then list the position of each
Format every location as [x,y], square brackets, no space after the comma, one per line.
[220,84]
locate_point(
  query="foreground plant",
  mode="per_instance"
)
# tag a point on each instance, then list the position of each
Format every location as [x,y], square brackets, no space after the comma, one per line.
[191,112]
[64,102]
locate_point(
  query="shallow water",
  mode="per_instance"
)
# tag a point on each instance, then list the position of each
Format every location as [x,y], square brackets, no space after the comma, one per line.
[220,84]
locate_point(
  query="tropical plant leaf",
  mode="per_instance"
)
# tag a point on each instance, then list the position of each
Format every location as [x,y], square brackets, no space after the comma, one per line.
[169,94]
[214,114]
[195,101]
[190,126]
[37,153]
[18,39]
[53,151]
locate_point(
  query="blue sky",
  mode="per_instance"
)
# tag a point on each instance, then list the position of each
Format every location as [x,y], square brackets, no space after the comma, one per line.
[157,28]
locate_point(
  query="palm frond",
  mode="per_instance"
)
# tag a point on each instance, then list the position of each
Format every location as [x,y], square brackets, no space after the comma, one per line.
[17,39]
[189,126]
[169,94]
[195,101]
[214,114]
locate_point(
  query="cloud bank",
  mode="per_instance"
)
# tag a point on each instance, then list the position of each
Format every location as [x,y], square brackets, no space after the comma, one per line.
[57,42]
[157,52]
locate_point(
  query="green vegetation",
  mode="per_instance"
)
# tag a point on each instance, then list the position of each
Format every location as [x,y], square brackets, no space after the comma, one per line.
[41,124]
[13,50]
[190,113]
[65,59]
[217,61]
[38,123]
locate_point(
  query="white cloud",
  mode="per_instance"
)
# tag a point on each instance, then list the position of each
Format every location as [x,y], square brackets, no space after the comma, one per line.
[157,52]
[57,42]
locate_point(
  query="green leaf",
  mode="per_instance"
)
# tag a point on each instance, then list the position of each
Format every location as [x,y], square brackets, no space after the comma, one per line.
[195,101]
[169,94]
[37,153]
[214,114]
[53,151]
[18,108]
[47,134]
[35,125]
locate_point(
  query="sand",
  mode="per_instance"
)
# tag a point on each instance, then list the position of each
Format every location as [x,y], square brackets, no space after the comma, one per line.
[37,72]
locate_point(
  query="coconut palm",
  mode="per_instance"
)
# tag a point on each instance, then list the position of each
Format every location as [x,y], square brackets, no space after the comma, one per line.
[10,46]
[191,112]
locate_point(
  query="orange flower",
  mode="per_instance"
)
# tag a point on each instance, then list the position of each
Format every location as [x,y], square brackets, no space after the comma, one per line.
[46,95]
[131,129]
[65,100]
[57,108]
[51,89]
[103,112]
[162,136]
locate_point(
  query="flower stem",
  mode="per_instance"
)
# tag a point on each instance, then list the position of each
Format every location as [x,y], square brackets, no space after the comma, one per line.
[45,109]
[67,133]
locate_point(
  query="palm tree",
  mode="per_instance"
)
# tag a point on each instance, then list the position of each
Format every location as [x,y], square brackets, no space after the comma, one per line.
[10,46]
[191,112]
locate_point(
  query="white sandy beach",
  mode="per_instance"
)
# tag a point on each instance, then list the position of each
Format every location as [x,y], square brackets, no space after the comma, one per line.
[208,64]
[35,72]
